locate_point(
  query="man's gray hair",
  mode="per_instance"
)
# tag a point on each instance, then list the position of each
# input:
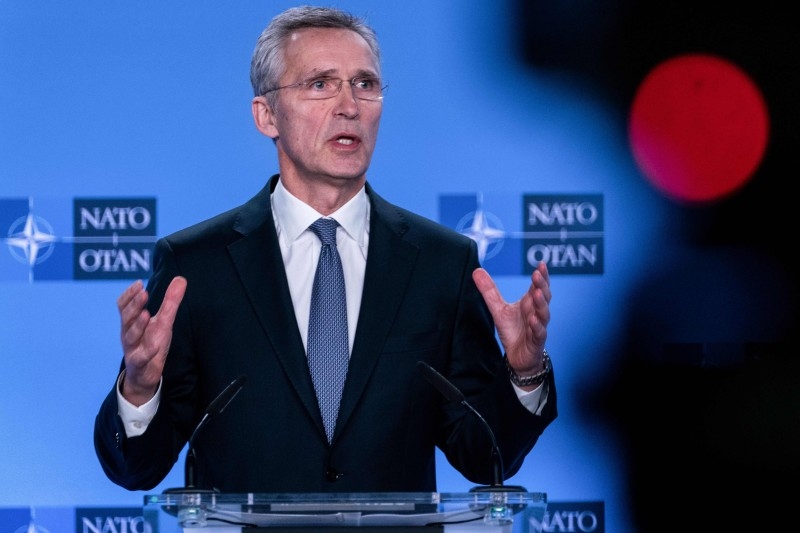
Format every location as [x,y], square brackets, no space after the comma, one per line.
[267,64]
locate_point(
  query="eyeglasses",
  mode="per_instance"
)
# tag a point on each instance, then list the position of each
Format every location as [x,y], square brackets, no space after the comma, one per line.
[364,88]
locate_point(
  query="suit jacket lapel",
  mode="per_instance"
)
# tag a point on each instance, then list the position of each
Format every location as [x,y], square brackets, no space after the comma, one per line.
[258,260]
[390,263]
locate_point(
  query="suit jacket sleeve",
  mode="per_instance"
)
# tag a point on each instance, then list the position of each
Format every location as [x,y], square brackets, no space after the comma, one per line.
[140,463]
[477,369]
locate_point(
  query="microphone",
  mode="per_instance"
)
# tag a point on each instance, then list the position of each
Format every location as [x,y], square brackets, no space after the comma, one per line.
[451,392]
[216,407]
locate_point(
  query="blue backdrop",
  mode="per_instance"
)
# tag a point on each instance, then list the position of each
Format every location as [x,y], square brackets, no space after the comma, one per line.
[152,99]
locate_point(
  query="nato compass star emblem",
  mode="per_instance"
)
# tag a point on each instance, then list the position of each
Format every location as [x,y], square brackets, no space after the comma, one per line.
[485,229]
[30,239]
[32,527]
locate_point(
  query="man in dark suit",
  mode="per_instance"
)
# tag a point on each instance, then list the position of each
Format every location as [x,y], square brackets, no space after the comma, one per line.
[231,296]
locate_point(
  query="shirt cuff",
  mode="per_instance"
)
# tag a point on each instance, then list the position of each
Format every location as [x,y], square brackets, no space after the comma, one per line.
[136,419]
[535,400]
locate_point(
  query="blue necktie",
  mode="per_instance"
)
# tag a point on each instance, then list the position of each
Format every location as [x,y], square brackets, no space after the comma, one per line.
[327,345]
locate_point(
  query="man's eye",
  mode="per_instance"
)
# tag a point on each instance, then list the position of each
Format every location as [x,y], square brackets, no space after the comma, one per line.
[320,84]
[366,84]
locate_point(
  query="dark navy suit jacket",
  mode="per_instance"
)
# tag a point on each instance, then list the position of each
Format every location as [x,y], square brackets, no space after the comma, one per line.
[419,304]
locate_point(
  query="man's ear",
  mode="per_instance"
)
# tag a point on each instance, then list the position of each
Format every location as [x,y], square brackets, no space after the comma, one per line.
[263,117]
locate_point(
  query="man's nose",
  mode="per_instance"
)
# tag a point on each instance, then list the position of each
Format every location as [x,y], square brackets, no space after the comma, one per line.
[347,97]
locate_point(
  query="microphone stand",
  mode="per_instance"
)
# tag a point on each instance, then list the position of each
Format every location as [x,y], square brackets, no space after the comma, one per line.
[451,392]
[214,408]
[498,470]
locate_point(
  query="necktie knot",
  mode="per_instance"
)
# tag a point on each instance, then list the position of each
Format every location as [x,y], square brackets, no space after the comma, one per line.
[325,229]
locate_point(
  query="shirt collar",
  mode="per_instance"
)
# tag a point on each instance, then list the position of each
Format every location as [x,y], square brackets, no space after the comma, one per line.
[293,217]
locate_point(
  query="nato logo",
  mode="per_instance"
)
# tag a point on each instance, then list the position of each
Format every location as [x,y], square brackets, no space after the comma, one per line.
[573,517]
[36,520]
[515,234]
[88,239]
[112,520]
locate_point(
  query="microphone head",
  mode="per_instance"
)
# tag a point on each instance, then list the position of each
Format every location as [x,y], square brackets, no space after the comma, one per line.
[447,389]
[224,398]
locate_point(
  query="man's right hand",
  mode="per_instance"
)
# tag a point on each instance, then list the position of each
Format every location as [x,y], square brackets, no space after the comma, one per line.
[146,339]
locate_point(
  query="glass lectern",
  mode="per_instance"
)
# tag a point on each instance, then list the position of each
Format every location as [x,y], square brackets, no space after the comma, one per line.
[396,512]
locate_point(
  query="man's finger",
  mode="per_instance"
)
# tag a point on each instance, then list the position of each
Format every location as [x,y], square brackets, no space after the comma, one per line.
[129,294]
[487,288]
[172,300]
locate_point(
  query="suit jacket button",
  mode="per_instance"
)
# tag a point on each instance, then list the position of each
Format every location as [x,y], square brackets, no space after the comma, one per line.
[332,475]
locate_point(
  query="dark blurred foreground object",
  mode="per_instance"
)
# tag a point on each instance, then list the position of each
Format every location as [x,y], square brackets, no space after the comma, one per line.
[712,436]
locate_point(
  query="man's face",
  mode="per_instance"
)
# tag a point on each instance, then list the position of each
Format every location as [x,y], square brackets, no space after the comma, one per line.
[329,139]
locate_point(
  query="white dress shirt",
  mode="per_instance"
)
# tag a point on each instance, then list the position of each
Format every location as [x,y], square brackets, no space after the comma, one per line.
[300,249]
